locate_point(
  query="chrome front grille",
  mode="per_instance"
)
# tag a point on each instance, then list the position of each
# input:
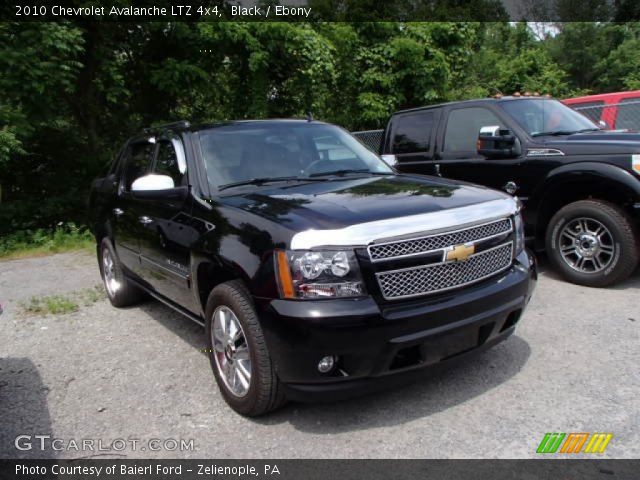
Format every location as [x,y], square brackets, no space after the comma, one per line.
[437,277]
[417,246]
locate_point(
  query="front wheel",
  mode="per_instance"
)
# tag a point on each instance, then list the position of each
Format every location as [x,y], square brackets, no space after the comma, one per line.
[238,353]
[592,243]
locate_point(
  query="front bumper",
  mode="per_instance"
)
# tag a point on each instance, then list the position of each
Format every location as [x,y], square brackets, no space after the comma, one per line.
[382,345]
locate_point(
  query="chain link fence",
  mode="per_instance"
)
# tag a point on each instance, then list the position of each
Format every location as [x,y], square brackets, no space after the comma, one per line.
[621,116]
[372,139]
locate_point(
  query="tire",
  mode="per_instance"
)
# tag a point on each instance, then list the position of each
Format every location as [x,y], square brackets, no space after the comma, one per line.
[592,243]
[120,290]
[261,392]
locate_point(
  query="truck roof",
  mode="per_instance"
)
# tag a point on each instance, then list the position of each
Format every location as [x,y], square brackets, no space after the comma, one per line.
[183,125]
[505,98]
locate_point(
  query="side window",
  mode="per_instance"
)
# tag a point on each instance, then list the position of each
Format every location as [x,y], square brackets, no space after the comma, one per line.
[463,127]
[591,110]
[629,114]
[167,163]
[137,162]
[412,132]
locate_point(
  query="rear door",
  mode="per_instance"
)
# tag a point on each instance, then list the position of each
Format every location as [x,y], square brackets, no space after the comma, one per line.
[412,141]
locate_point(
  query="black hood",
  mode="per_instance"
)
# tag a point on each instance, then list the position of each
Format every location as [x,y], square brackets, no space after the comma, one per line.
[343,202]
[599,142]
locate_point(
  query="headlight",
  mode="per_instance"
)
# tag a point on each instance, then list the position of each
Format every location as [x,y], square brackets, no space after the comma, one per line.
[519,228]
[322,274]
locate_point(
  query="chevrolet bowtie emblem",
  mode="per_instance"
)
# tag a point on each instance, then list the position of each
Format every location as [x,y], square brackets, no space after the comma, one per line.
[460,253]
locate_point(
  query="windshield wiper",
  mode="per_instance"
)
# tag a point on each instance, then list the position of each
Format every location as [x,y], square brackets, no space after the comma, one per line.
[554,133]
[346,171]
[263,180]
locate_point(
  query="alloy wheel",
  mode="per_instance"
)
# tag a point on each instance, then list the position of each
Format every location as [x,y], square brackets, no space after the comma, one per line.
[231,351]
[111,283]
[586,245]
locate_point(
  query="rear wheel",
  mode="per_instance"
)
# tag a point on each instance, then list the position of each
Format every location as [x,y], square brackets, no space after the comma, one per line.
[592,243]
[120,290]
[238,353]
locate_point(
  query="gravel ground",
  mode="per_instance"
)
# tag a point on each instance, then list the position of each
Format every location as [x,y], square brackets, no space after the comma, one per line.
[138,374]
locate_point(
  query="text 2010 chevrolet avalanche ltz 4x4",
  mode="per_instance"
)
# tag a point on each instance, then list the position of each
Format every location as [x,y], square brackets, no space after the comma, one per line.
[318,271]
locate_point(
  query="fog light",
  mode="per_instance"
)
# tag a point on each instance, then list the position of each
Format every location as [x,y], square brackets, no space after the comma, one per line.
[326,364]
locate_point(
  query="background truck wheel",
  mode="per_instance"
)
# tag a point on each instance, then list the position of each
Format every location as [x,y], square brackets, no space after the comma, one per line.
[592,243]
[238,353]
[120,290]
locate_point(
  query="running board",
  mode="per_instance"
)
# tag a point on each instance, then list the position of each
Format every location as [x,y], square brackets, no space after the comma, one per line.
[169,303]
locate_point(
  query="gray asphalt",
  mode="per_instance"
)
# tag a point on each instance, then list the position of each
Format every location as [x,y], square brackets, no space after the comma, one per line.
[137,374]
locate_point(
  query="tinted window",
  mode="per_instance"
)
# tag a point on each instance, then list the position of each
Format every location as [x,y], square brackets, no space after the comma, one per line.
[463,127]
[591,110]
[412,132]
[137,162]
[167,162]
[629,114]
[542,117]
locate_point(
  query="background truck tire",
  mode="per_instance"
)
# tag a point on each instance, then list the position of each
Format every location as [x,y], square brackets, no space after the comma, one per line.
[584,230]
[264,392]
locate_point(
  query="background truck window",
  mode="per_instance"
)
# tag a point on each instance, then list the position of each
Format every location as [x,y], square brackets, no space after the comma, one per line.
[463,127]
[629,114]
[412,132]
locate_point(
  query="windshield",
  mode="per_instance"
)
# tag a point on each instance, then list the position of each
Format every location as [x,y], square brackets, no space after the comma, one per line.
[540,116]
[255,152]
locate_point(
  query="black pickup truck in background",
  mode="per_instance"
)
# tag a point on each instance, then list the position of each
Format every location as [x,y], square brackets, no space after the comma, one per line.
[580,185]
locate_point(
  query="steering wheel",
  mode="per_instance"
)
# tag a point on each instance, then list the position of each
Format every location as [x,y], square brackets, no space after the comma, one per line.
[313,166]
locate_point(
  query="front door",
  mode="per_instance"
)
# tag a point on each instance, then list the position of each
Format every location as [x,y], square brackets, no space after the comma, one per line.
[459,158]
[124,217]
[167,232]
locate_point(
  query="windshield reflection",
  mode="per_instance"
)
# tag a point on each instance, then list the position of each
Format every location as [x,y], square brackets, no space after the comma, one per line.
[255,153]
[541,117]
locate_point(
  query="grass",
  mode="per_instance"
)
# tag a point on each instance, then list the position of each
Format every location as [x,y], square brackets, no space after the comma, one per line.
[51,305]
[37,243]
[62,304]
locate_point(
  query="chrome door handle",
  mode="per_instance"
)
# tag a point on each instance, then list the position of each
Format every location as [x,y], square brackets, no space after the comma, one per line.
[118,211]
[145,220]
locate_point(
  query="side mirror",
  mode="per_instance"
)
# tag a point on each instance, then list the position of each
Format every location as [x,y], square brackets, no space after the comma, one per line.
[157,187]
[390,160]
[496,142]
[603,125]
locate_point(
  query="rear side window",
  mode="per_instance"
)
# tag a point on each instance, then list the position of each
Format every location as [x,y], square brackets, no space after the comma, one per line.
[629,114]
[591,110]
[464,125]
[137,162]
[412,133]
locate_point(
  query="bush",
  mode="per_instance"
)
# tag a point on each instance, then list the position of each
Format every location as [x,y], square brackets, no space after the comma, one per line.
[63,238]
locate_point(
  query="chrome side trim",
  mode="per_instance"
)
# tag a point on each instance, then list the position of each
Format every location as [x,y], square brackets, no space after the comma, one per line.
[544,152]
[363,234]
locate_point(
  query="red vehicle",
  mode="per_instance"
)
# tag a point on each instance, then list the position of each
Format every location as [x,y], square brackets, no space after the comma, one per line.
[619,110]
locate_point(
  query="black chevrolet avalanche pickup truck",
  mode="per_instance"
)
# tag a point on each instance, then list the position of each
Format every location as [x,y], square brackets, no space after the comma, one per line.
[580,186]
[317,270]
